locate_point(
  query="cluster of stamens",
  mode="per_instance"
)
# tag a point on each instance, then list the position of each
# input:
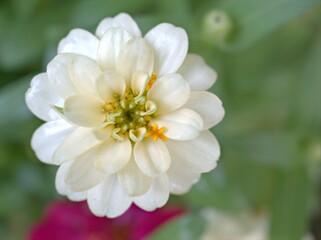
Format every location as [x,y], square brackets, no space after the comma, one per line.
[131,114]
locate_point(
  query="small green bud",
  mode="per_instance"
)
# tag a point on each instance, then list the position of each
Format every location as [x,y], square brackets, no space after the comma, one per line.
[217,26]
[132,105]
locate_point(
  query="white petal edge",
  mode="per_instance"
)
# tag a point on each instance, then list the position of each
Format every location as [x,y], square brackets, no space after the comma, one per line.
[41,96]
[182,124]
[197,73]
[108,198]
[200,154]
[110,84]
[132,180]
[59,77]
[138,82]
[170,92]
[157,196]
[103,131]
[84,110]
[83,72]
[63,189]
[151,157]
[81,42]
[208,106]
[120,20]
[109,47]
[181,176]
[82,174]
[170,46]
[135,55]
[48,137]
[78,142]
[113,155]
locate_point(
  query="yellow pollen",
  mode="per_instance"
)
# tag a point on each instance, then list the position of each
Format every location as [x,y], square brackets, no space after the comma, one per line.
[115,104]
[108,107]
[151,81]
[157,133]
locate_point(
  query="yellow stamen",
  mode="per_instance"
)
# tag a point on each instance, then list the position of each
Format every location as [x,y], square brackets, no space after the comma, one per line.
[163,137]
[115,104]
[162,130]
[108,107]
[155,127]
[157,133]
[151,81]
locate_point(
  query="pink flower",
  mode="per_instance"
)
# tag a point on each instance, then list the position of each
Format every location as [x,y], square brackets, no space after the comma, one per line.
[74,221]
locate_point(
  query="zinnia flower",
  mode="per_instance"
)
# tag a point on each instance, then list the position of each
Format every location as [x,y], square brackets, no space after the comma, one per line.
[127,117]
[246,225]
[73,221]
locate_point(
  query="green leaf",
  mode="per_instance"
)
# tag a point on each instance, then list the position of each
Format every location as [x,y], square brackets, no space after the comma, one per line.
[252,147]
[307,101]
[255,19]
[188,227]
[289,214]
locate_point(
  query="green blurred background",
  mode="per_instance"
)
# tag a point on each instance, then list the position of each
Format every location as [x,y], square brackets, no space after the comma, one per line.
[269,68]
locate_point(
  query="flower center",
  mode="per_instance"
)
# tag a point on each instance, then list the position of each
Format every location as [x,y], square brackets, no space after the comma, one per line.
[131,115]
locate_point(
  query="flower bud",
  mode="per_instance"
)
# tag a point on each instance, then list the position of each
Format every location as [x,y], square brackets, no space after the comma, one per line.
[217,26]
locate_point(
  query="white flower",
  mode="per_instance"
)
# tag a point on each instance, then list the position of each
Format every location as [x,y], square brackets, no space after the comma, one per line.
[246,225]
[127,117]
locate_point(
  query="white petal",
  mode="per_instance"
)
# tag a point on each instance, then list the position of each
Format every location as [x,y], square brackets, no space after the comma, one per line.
[181,176]
[63,189]
[83,72]
[183,124]
[60,112]
[58,75]
[170,92]
[41,96]
[120,20]
[170,46]
[70,74]
[197,73]
[77,196]
[84,110]
[139,82]
[110,46]
[200,154]
[152,158]
[113,155]
[81,42]
[110,84]
[135,55]
[157,195]
[108,198]
[208,106]
[132,180]
[61,186]
[47,138]
[82,174]
[103,131]
[80,141]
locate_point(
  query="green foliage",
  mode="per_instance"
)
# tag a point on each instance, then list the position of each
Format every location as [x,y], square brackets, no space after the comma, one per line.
[255,19]
[269,82]
[188,227]
[14,112]
[290,209]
